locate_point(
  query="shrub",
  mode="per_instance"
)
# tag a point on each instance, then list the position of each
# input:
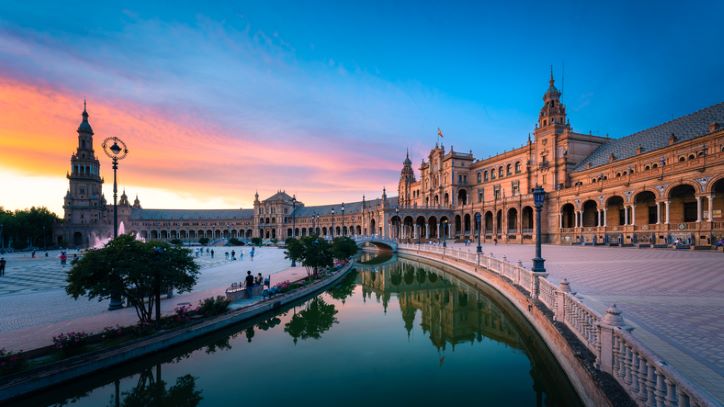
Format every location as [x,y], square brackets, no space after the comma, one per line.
[213,306]
[176,242]
[71,341]
[204,241]
[235,242]
[182,312]
[10,362]
[256,241]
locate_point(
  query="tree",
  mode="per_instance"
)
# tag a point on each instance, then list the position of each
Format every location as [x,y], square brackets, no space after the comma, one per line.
[152,391]
[28,227]
[256,241]
[295,250]
[204,241]
[316,254]
[343,248]
[176,242]
[138,270]
[317,318]
[234,242]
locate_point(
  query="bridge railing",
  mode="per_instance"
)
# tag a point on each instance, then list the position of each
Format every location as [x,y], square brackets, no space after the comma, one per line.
[647,379]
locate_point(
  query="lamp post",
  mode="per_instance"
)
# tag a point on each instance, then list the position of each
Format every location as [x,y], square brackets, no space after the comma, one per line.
[539,195]
[344,232]
[116,151]
[331,232]
[479,224]
[444,233]
[316,229]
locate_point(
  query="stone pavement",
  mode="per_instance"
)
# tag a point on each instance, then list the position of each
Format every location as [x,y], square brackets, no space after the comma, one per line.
[673,298]
[34,306]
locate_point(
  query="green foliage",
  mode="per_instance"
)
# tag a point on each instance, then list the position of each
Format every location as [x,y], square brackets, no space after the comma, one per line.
[10,362]
[295,249]
[176,242]
[133,268]
[256,241]
[343,248]
[234,242]
[150,392]
[317,318]
[204,241]
[27,227]
[345,288]
[213,305]
[274,240]
[316,254]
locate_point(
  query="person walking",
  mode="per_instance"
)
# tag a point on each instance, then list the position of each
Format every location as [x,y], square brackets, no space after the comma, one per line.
[2,266]
[212,253]
[259,280]
[63,258]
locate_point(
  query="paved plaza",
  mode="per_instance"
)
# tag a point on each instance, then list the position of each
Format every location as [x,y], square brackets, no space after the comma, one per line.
[34,306]
[673,298]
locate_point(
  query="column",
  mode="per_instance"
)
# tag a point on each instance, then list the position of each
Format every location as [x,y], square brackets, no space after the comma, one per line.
[605,215]
[710,207]
[633,214]
[560,220]
[625,215]
[598,211]
[658,213]
[427,231]
[668,206]
[698,209]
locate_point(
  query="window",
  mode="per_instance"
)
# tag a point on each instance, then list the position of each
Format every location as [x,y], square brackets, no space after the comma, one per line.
[508,170]
[485,175]
[517,167]
[500,172]
[480,176]
[515,185]
[481,196]
[492,174]
[496,192]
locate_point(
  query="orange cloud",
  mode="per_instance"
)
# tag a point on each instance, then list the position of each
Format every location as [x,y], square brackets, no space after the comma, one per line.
[186,155]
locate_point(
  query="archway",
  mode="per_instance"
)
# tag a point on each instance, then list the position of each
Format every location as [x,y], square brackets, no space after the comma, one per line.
[590,213]
[615,215]
[527,221]
[421,227]
[683,204]
[458,229]
[512,221]
[499,222]
[408,223]
[466,224]
[359,230]
[488,223]
[192,234]
[463,197]
[433,228]
[645,208]
[373,227]
[396,230]
[164,234]
[568,216]
[717,192]
[77,239]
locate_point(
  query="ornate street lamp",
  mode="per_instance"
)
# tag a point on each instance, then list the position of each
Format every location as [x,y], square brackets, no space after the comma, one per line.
[344,233]
[539,195]
[294,224]
[444,233]
[331,232]
[116,151]
[479,226]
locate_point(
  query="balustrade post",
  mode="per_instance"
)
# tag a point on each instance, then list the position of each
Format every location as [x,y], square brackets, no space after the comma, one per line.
[610,322]
[564,288]
[535,284]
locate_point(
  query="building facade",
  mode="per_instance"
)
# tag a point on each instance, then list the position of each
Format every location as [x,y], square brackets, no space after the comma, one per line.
[654,187]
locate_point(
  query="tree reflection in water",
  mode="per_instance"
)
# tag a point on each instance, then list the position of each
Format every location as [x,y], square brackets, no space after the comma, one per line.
[317,318]
[345,288]
[152,391]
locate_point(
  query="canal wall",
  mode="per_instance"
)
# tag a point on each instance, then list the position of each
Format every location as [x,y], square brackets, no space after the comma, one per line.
[605,364]
[76,367]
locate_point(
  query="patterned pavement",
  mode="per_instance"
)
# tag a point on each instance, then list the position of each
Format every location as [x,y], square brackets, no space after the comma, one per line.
[673,298]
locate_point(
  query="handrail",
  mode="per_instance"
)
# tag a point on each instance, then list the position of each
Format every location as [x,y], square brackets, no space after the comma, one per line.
[647,379]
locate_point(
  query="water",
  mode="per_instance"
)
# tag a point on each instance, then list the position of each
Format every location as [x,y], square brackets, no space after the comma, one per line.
[396,332]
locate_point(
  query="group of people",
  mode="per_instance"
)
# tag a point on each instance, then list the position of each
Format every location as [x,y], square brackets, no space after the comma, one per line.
[250,282]
[2,266]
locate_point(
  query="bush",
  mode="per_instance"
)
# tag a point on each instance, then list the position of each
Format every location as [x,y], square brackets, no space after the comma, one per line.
[204,241]
[235,242]
[10,362]
[256,241]
[213,306]
[71,341]
[176,242]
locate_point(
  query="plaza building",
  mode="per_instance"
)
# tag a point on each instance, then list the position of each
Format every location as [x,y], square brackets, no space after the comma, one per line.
[659,186]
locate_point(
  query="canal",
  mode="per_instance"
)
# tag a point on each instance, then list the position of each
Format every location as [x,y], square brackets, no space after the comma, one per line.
[394,332]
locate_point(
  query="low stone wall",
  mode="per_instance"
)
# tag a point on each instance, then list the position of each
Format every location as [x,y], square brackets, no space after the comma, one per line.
[82,365]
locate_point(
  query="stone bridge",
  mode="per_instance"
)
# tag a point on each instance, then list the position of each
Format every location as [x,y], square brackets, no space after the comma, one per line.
[379,241]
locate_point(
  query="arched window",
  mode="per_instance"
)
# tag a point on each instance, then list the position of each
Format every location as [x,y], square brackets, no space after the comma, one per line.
[485,175]
[654,165]
[517,167]
[480,176]
[500,172]
[646,168]
[492,174]
[682,159]
[508,170]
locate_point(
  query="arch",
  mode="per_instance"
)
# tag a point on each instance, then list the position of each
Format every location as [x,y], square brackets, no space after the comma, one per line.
[446,200]
[183,235]
[488,223]
[396,227]
[458,223]
[717,192]
[499,222]
[226,234]
[359,230]
[683,206]
[466,224]
[192,234]
[463,197]
[154,234]
[164,234]
[527,220]
[217,234]
[77,239]
[568,216]
[144,234]
[615,211]
[344,230]
[645,208]
[432,227]
[324,231]
[249,233]
[373,227]
[512,220]
[337,230]
[589,217]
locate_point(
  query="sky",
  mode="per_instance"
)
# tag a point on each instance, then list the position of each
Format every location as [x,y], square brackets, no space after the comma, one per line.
[218,100]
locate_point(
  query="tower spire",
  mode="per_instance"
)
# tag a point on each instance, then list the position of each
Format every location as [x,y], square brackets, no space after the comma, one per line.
[551,80]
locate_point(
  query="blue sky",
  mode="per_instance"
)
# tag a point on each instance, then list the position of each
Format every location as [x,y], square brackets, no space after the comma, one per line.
[362,82]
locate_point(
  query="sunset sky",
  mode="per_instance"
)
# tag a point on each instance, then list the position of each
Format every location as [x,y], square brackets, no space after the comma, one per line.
[322,99]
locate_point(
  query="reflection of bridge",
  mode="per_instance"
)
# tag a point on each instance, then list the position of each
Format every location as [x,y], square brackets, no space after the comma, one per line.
[379,241]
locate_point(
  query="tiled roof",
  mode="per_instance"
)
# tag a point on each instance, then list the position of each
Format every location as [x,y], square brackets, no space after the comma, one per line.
[349,207]
[281,195]
[684,128]
[169,214]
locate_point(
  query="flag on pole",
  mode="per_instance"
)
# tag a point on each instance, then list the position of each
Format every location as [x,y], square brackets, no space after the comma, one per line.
[439,132]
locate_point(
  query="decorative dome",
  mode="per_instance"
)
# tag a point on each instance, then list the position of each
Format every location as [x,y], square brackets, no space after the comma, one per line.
[552,92]
[85,127]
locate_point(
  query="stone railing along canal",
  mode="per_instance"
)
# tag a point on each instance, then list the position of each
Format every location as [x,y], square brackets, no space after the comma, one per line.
[648,380]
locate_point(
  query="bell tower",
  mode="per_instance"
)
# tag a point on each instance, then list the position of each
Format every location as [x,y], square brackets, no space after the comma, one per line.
[84,202]
[407,178]
[553,112]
